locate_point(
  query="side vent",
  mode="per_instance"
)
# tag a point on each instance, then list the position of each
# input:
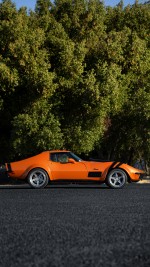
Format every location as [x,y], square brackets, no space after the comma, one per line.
[94,174]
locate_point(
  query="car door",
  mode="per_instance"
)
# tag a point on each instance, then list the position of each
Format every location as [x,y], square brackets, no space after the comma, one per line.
[67,170]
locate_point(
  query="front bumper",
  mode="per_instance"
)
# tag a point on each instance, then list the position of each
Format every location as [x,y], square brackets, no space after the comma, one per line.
[137,176]
[142,175]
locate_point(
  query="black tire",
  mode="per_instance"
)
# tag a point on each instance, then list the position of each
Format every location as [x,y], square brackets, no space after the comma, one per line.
[38,178]
[116,178]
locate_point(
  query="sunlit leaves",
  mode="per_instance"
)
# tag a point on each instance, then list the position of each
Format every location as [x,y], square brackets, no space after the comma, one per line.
[36,130]
[75,74]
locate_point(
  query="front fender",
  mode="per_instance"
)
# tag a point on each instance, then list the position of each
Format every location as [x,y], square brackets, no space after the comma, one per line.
[133,173]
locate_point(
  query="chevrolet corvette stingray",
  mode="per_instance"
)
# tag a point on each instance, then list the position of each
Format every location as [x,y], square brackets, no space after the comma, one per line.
[62,165]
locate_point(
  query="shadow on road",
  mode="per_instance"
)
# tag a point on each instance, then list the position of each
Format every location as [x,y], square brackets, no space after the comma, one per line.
[26,186]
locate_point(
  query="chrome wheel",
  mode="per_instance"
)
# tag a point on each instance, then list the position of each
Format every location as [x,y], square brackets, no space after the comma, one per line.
[38,178]
[116,178]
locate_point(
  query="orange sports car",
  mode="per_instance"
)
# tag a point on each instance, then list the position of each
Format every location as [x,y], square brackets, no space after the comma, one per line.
[62,165]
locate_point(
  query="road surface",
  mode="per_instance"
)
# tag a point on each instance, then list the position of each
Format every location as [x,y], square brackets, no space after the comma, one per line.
[75,226]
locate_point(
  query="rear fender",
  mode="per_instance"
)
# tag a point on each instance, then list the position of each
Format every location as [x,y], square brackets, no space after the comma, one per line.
[34,166]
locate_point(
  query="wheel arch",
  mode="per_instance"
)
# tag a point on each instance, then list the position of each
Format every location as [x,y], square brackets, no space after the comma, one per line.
[121,168]
[42,167]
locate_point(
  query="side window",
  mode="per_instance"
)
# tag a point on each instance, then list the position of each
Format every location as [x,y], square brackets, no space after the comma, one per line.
[53,157]
[62,157]
[59,157]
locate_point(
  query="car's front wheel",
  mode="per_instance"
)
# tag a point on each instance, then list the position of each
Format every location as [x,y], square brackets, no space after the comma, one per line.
[38,178]
[116,178]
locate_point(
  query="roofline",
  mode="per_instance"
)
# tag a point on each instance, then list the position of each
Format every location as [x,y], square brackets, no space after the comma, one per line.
[56,151]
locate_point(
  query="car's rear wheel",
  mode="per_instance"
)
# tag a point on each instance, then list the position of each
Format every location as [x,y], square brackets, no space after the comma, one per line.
[116,178]
[38,178]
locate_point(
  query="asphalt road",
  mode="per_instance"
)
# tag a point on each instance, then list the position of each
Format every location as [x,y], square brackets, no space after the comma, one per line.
[75,226]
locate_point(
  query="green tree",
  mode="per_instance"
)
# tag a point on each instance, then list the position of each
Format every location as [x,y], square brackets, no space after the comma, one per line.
[128,132]
[75,74]
[25,74]
[70,39]
[36,130]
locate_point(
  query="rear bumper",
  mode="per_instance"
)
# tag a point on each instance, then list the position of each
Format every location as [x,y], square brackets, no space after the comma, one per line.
[8,167]
[3,175]
[2,169]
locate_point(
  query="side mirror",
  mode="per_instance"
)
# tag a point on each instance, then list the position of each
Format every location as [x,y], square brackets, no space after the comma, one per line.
[71,160]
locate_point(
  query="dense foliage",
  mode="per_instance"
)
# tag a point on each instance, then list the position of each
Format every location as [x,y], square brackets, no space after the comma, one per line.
[75,75]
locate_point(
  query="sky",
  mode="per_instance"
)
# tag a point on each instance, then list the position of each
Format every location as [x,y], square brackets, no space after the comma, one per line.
[31,3]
